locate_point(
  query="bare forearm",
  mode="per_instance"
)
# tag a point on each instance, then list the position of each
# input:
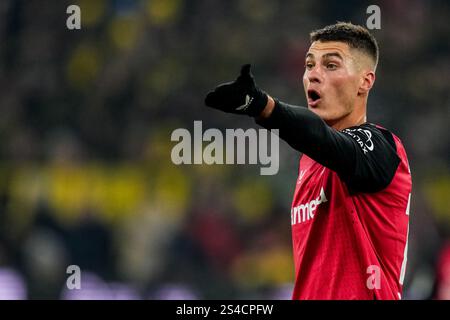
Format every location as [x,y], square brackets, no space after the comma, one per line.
[268,109]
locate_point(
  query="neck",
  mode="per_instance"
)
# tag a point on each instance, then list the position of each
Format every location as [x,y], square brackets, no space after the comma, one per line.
[348,121]
[355,118]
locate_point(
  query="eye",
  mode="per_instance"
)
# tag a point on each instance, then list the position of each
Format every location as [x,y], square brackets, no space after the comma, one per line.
[331,66]
[309,65]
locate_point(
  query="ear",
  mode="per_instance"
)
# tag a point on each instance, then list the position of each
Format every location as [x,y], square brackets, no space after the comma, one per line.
[367,81]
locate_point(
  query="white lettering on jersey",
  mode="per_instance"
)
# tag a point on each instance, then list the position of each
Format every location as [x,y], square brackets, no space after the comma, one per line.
[305,212]
[367,145]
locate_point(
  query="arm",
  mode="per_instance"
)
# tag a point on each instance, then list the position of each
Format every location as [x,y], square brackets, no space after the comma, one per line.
[364,157]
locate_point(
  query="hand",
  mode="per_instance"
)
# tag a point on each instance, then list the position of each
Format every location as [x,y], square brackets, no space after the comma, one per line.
[241,96]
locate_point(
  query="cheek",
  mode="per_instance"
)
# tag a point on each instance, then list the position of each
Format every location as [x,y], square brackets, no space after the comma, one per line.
[305,81]
[344,88]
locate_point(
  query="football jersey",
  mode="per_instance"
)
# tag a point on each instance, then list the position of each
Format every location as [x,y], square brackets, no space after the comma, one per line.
[349,244]
[350,210]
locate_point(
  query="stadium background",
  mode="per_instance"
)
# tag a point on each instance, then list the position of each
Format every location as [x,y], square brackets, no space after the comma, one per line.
[86,116]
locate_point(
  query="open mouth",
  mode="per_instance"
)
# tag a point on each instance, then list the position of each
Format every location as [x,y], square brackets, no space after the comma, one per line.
[313,97]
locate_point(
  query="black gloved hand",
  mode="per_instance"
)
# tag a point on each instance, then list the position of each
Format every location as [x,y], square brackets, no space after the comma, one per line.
[241,96]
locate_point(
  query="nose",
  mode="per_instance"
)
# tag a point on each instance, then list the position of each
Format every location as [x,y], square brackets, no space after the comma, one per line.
[313,75]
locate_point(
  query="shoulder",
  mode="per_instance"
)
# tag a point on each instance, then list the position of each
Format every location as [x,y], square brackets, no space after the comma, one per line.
[370,137]
[377,159]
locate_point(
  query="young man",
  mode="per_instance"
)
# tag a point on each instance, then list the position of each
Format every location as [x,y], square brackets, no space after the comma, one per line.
[350,209]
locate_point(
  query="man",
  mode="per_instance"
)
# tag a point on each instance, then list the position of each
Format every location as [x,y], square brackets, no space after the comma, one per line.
[350,210]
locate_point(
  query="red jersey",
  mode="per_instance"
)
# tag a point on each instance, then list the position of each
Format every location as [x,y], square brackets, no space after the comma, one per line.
[349,238]
[350,210]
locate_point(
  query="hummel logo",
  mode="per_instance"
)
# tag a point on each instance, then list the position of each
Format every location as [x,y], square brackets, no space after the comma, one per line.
[323,170]
[248,100]
[302,173]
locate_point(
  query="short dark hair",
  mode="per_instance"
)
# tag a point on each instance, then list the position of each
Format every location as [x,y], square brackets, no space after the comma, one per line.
[357,37]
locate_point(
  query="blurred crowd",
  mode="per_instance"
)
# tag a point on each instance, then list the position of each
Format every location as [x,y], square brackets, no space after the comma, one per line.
[86,177]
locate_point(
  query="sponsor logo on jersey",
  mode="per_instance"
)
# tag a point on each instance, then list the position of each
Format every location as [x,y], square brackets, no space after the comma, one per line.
[366,145]
[305,212]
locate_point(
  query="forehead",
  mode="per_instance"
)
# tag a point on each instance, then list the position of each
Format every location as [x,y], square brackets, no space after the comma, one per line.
[319,49]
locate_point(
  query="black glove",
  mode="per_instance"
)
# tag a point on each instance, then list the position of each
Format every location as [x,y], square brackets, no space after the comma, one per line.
[241,96]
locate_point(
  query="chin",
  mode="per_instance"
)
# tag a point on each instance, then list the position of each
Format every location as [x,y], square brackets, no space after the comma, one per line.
[327,116]
[323,114]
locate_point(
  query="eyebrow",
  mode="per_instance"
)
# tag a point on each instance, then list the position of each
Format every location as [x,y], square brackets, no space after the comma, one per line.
[326,55]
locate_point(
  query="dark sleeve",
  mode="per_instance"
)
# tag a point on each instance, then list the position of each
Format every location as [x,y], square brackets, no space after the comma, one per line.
[365,157]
